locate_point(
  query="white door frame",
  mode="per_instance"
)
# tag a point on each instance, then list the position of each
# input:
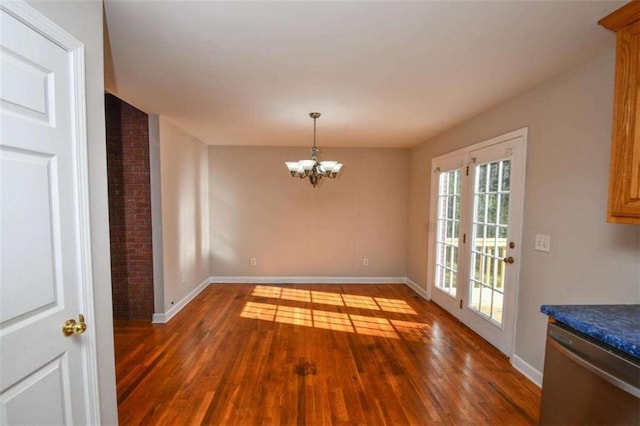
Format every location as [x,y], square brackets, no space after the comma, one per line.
[26,14]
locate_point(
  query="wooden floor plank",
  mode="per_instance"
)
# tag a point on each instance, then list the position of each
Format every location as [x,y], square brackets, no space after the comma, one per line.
[243,354]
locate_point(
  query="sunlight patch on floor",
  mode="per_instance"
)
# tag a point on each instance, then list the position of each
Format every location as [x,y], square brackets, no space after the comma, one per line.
[348,323]
[334,299]
[327,298]
[360,324]
[332,321]
[373,326]
[293,315]
[295,294]
[394,305]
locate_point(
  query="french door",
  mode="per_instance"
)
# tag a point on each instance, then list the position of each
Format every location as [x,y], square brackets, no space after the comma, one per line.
[477,200]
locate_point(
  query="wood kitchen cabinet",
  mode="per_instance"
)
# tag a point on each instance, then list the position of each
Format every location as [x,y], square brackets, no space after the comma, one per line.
[624,175]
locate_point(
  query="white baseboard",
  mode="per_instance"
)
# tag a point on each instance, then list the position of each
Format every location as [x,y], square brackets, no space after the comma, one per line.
[421,291]
[163,318]
[308,280]
[527,369]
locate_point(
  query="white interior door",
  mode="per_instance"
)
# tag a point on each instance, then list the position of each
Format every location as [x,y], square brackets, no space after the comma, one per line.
[476,233]
[45,276]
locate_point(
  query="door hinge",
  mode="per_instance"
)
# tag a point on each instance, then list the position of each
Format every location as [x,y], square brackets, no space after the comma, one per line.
[464,238]
[467,171]
[460,303]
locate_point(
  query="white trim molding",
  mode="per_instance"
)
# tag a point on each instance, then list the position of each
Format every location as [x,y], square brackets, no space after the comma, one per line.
[421,291]
[162,318]
[527,369]
[308,280]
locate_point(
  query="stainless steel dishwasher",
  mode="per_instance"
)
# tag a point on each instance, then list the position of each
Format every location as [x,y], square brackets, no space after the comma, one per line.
[587,383]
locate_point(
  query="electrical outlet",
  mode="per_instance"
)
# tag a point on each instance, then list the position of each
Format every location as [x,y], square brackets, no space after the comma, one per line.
[253,261]
[365,261]
[543,243]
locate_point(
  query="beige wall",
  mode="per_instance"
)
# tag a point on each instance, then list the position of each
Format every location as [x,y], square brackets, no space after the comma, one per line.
[185,212]
[569,120]
[259,210]
[83,20]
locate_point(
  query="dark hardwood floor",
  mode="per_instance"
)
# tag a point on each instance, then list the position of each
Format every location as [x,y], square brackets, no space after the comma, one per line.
[243,354]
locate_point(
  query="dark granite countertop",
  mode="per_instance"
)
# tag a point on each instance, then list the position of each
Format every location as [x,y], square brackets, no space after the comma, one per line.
[615,325]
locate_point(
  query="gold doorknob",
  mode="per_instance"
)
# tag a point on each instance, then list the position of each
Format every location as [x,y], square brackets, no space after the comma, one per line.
[72,327]
[509,260]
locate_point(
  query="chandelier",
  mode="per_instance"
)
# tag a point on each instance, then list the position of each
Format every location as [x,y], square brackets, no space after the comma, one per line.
[313,169]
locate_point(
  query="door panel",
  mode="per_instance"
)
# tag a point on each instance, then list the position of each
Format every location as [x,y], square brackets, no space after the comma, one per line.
[31,230]
[46,386]
[25,87]
[45,276]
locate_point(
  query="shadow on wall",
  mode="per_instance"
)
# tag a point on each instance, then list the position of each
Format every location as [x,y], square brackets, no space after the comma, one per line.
[224,255]
[192,215]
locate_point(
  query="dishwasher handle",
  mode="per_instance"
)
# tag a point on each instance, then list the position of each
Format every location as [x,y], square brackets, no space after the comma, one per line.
[620,384]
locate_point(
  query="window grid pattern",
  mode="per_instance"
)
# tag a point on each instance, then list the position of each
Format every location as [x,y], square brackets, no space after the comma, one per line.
[489,238]
[448,228]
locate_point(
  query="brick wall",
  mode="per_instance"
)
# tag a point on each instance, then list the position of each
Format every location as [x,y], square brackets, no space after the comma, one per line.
[129,210]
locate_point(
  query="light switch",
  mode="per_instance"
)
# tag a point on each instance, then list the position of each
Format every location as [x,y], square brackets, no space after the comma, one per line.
[543,243]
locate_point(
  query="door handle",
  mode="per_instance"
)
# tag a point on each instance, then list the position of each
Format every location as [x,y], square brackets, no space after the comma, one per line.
[509,260]
[74,327]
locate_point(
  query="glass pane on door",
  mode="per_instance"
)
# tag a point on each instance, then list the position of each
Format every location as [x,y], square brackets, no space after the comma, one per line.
[448,228]
[489,239]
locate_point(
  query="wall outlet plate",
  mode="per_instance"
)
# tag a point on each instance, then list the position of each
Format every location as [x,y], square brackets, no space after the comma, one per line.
[543,243]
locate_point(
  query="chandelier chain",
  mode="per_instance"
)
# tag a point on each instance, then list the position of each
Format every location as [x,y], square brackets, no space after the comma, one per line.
[314,131]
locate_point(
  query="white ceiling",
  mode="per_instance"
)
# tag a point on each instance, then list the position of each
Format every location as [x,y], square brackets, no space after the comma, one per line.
[383,74]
